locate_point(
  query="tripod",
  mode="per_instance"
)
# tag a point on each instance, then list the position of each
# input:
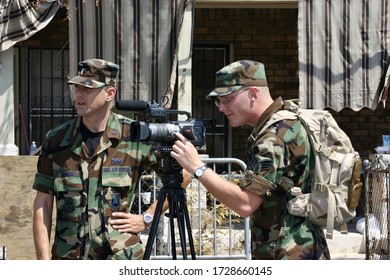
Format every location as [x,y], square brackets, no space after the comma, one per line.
[175,194]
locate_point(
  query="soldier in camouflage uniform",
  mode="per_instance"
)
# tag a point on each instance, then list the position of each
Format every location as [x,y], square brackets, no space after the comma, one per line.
[91,168]
[282,150]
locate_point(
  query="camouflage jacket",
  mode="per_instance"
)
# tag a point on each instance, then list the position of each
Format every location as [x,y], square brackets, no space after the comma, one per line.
[88,189]
[282,149]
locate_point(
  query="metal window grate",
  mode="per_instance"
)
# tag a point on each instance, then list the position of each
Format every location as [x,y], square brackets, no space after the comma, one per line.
[49,100]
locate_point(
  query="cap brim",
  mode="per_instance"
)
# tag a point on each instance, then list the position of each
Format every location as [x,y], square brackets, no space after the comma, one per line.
[222,91]
[86,82]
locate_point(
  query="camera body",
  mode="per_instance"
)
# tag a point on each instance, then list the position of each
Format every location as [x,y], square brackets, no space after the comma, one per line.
[159,130]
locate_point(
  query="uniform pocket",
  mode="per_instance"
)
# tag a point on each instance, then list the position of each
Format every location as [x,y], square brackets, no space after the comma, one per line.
[116,183]
[117,194]
[71,201]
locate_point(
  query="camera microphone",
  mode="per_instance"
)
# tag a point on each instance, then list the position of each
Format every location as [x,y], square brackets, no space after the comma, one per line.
[131,105]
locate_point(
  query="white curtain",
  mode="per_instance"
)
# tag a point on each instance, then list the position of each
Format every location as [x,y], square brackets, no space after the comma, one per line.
[343,53]
[20,19]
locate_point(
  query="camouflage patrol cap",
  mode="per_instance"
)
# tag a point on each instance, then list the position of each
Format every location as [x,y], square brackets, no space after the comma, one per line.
[95,73]
[237,75]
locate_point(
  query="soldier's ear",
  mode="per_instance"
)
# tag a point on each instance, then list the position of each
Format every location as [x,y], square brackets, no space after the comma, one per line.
[110,93]
[253,92]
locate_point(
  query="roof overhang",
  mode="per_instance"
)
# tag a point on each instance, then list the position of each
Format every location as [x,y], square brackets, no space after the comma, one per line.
[288,4]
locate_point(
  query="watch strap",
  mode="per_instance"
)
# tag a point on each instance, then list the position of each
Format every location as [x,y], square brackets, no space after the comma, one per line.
[203,168]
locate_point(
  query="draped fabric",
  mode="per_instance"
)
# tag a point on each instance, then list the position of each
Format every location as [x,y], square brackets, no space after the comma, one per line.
[20,19]
[343,53]
[140,35]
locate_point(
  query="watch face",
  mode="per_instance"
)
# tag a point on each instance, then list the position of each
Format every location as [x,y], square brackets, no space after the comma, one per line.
[148,218]
[200,171]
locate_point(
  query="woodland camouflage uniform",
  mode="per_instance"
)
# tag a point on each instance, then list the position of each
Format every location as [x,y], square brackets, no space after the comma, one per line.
[281,150]
[87,189]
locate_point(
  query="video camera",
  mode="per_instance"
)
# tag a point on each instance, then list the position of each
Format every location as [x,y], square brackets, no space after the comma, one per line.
[161,133]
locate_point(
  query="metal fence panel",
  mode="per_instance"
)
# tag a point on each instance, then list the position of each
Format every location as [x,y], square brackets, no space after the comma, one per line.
[377,220]
[217,232]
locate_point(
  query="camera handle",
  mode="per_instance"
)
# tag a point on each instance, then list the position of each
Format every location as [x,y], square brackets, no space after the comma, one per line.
[176,196]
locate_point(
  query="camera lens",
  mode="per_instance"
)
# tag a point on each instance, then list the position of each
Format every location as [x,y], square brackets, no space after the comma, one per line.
[164,133]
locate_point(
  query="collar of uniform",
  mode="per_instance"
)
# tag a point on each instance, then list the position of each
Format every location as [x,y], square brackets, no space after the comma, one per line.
[68,139]
[273,108]
[113,129]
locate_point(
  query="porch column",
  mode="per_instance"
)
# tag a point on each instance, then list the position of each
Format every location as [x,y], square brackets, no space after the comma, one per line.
[7,135]
[185,62]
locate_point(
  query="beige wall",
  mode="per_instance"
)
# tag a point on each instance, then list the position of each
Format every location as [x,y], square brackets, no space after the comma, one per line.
[16,200]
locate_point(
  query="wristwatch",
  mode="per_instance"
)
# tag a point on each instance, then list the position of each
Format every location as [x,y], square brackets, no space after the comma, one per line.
[200,171]
[147,218]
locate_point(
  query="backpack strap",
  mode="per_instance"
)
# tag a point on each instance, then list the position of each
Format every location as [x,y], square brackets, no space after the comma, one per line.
[275,118]
[289,113]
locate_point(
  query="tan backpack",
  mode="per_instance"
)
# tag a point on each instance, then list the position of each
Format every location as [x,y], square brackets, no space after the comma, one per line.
[336,189]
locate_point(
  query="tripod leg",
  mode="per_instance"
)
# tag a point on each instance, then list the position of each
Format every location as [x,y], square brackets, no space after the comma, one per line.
[153,229]
[180,225]
[176,197]
[172,214]
[189,231]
